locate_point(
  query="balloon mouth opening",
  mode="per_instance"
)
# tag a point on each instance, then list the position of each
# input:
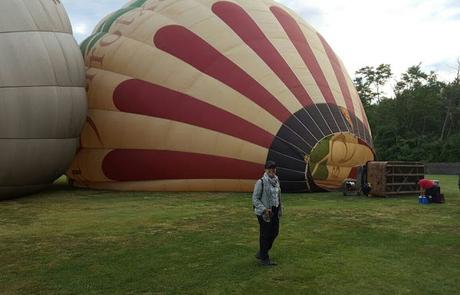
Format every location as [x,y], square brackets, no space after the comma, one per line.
[335,158]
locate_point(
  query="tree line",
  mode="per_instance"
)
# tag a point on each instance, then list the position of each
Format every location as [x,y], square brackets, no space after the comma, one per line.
[418,121]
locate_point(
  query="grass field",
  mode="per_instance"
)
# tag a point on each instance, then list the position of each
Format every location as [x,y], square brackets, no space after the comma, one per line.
[68,241]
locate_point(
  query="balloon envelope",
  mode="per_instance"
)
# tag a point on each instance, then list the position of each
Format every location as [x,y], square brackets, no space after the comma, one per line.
[199,94]
[42,95]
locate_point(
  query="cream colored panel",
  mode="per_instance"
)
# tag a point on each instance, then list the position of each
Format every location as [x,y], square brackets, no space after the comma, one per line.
[132,131]
[253,5]
[189,12]
[275,33]
[174,74]
[326,67]
[176,185]
[242,55]
[87,166]
[101,85]
[140,25]
[212,30]
[323,61]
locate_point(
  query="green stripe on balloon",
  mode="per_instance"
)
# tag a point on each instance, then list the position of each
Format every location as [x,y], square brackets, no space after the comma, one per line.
[111,19]
[89,42]
[321,150]
[104,27]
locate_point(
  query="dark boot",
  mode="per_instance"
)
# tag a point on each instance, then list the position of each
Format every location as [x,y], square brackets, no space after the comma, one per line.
[267,262]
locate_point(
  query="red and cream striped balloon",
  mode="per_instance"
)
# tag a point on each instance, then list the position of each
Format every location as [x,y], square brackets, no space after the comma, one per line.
[199,94]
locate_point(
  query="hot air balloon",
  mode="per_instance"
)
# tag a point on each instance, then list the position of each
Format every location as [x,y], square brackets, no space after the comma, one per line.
[197,95]
[42,95]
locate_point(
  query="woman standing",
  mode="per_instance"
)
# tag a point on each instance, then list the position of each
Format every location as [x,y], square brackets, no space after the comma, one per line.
[267,206]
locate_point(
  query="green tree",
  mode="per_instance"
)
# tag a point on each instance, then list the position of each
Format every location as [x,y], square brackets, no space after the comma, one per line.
[421,122]
[370,82]
[451,98]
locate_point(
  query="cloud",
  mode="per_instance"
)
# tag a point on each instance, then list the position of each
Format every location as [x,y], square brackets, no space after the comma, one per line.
[313,14]
[399,32]
[85,14]
[453,4]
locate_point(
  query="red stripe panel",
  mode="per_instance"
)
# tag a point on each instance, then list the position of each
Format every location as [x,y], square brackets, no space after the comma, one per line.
[243,25]
[140,97]
[339,74]
[187,46]
[353,173]
[139,165]
[292,29]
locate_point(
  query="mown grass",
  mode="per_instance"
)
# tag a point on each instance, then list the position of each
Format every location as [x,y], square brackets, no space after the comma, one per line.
[68,241]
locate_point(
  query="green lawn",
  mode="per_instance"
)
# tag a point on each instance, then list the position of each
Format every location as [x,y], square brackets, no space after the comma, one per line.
[68,241]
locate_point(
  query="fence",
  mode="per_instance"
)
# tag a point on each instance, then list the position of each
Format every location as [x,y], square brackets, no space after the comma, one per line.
[442,168]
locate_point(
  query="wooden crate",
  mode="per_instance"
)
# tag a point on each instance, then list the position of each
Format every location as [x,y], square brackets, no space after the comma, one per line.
[394,178]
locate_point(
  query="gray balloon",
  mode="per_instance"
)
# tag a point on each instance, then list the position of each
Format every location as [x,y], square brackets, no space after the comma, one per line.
[42,95]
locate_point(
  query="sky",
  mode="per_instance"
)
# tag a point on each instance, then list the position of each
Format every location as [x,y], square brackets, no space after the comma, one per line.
[362,32]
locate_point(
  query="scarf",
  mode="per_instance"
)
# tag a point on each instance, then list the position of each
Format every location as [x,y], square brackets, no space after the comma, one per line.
[274,188]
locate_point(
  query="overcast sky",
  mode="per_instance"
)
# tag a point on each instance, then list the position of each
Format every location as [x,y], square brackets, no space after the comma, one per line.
[362,32]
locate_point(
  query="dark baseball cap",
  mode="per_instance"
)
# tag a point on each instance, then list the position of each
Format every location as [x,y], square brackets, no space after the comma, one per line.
[270,165]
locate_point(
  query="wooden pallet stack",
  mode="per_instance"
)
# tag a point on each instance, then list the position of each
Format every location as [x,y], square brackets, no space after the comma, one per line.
[394,178]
